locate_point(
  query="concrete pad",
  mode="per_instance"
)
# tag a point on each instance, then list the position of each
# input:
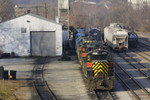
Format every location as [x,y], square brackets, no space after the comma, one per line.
[65,80]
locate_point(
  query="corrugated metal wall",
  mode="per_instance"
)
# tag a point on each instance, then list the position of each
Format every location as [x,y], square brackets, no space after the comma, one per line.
[43,43]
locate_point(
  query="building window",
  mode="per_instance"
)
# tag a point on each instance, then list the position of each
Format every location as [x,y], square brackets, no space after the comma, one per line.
[23,30]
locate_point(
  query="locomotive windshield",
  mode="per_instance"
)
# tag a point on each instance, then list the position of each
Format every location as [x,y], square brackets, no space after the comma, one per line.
[103,55]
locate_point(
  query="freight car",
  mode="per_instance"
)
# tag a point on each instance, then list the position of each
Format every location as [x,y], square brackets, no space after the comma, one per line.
[132,39]
[116,37]
[96,63]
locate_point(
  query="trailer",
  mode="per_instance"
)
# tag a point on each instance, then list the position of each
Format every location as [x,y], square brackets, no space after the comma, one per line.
[116,37]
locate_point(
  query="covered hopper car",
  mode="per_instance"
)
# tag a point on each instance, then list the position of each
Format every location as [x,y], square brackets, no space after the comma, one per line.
[116,37]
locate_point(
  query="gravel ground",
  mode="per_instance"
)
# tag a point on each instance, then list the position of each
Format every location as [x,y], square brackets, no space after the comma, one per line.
[144,34]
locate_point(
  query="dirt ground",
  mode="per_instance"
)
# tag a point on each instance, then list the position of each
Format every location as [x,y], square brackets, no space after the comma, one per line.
[147,34]
[8,89]
[17,90]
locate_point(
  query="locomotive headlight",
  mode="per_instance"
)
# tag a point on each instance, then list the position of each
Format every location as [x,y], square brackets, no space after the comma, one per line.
[95,53]
[104,53]
[108,78]
[95,34]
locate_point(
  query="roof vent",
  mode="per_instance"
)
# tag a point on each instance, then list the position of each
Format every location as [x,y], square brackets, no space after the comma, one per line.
[28,11]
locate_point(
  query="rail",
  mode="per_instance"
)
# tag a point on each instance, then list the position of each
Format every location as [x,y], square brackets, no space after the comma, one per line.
[105,95]
[131,81]
[40,84]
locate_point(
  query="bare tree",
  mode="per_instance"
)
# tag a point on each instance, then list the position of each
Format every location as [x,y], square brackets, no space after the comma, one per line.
[6,9]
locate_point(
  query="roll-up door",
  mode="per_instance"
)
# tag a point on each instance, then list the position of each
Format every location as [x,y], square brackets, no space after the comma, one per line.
[43,43]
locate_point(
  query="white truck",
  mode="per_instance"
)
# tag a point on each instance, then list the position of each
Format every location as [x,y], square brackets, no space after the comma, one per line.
[116,37]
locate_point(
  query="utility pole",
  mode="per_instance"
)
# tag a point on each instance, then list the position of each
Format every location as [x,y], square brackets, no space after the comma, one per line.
[45,11]
[54,13]
[37,10]
[68,21]
[63,6]
[59,11]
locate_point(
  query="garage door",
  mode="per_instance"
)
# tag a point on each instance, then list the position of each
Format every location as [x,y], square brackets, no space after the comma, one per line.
[43,44]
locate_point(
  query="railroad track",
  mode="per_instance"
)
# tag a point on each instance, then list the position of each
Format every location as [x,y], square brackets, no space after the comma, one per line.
[142,54]
[146,46]
[147,39]
[137,90]
[143,42]
[105,95]
[40,85]
[138,67]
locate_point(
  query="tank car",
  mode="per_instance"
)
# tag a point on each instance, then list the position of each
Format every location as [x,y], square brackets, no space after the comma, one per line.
[132,39]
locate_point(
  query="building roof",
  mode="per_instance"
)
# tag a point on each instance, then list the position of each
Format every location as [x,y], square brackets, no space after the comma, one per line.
[37,16]
[43,18]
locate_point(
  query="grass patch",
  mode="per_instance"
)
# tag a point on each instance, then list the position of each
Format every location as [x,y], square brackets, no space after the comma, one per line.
[7,89]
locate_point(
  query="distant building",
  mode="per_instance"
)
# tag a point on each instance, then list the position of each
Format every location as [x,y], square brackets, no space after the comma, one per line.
[85,2]
[138,4]
[83,13]
[43,9]
[31,35]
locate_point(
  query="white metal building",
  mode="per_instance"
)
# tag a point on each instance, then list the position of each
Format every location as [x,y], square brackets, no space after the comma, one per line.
[31,34]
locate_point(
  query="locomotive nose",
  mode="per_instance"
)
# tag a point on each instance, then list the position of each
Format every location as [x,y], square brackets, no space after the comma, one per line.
[100,68]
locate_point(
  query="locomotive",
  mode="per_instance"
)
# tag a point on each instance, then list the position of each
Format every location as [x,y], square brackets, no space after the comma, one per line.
[96,63]
[83,41]
[132,39]
[100,70]
[96,33]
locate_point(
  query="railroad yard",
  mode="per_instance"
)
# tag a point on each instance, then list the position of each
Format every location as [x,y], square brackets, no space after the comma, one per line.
[74,50]
[51,79]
